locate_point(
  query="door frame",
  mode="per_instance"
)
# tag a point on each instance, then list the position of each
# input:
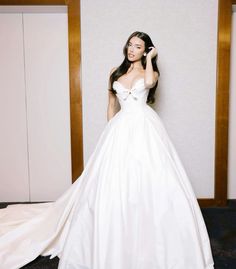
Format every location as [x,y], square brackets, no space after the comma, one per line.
[222,91]
[222,101]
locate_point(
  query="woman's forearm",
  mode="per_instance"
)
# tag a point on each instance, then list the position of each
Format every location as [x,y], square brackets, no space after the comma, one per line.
[149,73]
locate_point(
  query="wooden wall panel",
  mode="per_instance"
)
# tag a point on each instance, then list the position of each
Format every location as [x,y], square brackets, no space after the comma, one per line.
[222,101]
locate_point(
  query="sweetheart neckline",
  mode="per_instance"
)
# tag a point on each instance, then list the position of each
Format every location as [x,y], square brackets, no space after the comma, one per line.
[132,85]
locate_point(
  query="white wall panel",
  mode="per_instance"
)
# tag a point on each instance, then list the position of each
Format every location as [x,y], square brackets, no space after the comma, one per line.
[47,76]
[13,130]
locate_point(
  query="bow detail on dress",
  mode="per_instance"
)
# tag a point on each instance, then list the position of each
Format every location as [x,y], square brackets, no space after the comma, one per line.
[125,94]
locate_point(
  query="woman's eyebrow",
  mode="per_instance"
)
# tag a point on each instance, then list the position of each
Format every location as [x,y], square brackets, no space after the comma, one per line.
[136,44]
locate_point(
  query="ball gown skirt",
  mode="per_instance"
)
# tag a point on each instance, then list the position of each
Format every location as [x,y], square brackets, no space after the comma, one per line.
[133,206]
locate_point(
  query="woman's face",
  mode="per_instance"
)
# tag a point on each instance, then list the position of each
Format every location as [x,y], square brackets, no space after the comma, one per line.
[136,48]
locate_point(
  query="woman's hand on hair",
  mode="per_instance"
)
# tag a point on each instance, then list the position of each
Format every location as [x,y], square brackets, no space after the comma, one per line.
[152,53]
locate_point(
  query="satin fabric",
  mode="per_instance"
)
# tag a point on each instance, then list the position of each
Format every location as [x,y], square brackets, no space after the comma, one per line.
[133,206]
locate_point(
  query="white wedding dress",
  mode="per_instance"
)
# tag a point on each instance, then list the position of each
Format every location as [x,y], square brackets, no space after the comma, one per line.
[133,206]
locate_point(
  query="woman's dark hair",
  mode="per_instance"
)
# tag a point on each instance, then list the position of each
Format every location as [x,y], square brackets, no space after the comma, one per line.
[123,68]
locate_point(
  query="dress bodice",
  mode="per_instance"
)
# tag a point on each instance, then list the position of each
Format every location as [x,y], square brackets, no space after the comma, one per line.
[135,97]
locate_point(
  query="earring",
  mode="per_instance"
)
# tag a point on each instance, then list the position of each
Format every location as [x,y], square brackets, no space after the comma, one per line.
[144,54]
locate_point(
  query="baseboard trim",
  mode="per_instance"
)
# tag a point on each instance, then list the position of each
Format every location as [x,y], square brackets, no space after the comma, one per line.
[211,202]
[203,202]
[207,202]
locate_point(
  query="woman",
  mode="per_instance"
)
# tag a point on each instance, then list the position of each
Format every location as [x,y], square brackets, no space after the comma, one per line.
[133,206]
[136,65]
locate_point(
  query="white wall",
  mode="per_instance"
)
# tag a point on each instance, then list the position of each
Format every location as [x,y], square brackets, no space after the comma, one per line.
[185,34]
[48,104]
[35,156]
[232,114]
[13,134]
